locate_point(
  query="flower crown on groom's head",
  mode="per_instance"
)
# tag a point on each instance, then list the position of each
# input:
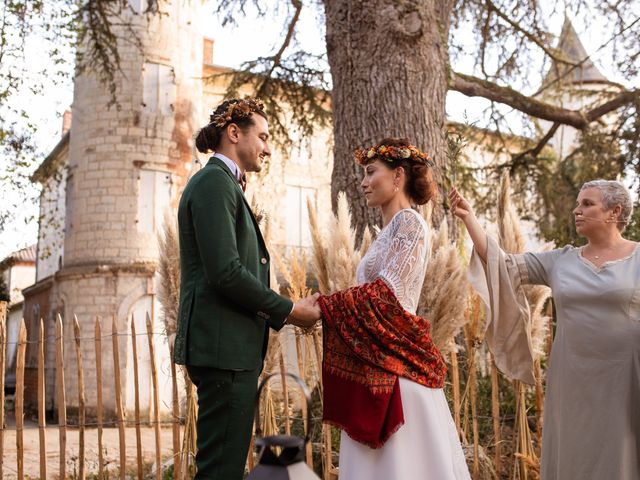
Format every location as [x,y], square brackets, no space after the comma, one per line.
[236,111]
[391,154]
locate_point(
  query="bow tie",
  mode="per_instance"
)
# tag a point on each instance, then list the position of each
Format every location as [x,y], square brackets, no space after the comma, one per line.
[243,182]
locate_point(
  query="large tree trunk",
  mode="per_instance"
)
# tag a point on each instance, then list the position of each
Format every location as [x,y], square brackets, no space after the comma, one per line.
[389,63]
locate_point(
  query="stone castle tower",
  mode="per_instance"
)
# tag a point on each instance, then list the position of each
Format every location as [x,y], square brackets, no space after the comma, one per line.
[577,86]
[126,164]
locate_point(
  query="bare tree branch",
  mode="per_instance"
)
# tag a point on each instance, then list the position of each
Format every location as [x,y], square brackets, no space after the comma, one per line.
[551,52]
[533,152]
[277,58]
[477,87]
[622,99]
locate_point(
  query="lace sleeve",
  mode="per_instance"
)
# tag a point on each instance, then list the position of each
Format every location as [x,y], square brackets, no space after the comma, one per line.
[404,263]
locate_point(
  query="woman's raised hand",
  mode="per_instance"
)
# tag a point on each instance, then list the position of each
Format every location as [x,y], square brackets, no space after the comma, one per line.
[459,205]
[462,209]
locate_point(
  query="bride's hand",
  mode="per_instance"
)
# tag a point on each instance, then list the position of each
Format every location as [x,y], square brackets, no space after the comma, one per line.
[459,205]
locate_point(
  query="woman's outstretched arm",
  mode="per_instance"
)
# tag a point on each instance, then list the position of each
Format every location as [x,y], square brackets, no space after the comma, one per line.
[462,209]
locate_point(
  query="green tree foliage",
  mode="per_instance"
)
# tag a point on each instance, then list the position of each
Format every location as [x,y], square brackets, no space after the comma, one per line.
[508,44]
[34,30]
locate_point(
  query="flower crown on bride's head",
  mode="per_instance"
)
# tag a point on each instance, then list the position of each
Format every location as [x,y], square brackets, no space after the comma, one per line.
[391,154]
[236,111]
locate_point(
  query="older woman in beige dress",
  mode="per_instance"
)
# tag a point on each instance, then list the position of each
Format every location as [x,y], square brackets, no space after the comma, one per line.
[592,408]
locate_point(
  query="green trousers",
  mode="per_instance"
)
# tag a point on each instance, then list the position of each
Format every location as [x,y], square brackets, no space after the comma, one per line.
[225,419]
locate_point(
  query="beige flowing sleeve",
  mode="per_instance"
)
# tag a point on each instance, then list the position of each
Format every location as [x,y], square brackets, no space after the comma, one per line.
[508,329]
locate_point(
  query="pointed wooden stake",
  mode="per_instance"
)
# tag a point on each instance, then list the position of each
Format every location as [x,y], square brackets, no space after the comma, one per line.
[81,398]
[98,345]
[119,409]
[156,398]
[22,349]
[42,423]
[61,398]
[136,390]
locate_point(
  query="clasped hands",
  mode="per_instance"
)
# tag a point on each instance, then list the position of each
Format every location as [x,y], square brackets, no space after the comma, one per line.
[306,312]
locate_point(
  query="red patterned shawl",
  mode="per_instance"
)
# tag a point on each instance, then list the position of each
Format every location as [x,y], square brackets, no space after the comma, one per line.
[370,341]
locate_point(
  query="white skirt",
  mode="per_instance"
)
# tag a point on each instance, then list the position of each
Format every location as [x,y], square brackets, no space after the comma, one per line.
[426,447]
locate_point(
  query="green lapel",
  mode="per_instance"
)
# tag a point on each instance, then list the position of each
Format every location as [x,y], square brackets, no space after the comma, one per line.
[216,161]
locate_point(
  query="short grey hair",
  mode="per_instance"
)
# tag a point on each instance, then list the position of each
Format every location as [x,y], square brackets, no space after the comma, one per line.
[614,193]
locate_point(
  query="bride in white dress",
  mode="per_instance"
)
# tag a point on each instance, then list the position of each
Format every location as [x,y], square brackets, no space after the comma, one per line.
[426,445]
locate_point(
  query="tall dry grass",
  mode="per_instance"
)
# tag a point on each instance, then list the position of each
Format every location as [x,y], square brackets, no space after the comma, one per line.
[512,241]
[169,273]
[319,250]
[445,273]
[307,341]
[342,258]
[169,298]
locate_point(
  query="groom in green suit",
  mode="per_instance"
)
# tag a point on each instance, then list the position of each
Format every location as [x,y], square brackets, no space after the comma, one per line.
[226,305]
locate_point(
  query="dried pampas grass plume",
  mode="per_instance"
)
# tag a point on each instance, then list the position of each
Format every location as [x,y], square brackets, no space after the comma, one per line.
[443,299]
[512,241]
[259,214]
[169,270]
[335,265]
[367,240]
[319,251]
[296,276]
[342,257]
[540,323]
[510,235]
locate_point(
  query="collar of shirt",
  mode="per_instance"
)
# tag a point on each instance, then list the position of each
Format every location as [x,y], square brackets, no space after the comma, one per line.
[233,166]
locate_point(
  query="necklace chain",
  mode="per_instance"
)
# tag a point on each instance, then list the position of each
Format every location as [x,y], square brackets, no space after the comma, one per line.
[610,249]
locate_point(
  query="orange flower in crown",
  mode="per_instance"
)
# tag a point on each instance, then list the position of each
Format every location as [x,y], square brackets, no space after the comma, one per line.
[391,154]
[236,111]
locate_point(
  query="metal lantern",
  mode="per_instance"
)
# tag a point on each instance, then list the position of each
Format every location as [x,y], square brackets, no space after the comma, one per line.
[289,464]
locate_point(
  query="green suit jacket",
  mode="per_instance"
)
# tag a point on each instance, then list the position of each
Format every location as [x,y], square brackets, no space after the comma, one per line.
[226,304]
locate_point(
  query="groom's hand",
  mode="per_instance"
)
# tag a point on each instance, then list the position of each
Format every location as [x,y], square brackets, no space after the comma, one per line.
[306,312]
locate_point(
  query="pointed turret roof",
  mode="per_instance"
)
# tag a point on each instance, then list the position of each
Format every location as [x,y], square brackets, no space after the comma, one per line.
[571,48]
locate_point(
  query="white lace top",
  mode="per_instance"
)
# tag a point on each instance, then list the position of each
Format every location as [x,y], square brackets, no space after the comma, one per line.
[399,257]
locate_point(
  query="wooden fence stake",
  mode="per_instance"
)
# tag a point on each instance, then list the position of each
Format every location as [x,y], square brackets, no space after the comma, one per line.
[285,394]
[134,350]
[3,349]
[472,385]
[61,398]
[81,399]
[175,410]
[251,462]
[455,384]
[495,413]
[299,352]
[156,398]
[326,429]
[98,345]
[190,435]
[42,423]
[22,349]
[119,409]
[539,406]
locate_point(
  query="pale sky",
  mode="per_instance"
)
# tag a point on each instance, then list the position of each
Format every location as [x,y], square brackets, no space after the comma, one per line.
[234,45]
